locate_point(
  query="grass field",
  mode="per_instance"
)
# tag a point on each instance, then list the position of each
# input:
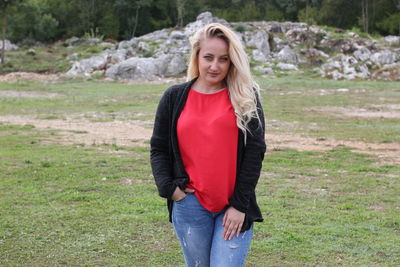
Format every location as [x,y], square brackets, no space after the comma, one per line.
[88,203]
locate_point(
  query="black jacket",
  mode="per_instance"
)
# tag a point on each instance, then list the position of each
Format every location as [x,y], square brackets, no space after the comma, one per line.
[168,168]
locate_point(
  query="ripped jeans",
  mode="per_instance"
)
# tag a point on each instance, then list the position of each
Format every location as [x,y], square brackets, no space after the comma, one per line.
[200,233]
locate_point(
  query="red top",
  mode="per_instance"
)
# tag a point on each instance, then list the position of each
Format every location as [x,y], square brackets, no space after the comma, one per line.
[208,139]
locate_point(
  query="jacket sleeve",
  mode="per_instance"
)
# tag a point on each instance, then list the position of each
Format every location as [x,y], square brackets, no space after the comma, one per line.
[250,167]
[160,155]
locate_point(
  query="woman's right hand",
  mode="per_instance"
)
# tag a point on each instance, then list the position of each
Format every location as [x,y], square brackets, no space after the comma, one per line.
[181,194]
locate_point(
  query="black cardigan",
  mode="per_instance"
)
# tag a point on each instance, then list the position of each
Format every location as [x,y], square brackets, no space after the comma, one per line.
[168,168]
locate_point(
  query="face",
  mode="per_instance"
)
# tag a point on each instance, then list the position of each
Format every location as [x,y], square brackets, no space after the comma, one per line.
[213,61]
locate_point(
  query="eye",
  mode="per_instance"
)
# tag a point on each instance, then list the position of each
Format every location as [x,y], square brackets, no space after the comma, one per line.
[208,58]
[223,59]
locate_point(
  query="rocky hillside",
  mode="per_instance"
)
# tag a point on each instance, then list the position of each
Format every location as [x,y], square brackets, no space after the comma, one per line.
[274,48]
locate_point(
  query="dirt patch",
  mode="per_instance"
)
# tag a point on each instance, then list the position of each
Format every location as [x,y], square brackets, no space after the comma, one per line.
[28,94]
[22,76]
[370,112]
[120,133]
[138,133]
[389,153]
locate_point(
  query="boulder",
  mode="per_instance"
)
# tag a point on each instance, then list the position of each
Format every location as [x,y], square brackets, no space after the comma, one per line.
[392,39]
[202,20]
[258,39]
[8,46]
[362,54]
[134,68]
[87,66]
[264,70]
[384,57]
[287,55]
[284,66]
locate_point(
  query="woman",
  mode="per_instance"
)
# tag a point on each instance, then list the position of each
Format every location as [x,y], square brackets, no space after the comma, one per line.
[207,150]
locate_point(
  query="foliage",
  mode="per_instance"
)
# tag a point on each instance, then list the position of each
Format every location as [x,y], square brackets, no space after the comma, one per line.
[94,34]
[48,20]
[390,25]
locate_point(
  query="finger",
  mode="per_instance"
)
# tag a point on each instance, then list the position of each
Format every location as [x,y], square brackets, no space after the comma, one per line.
[227,229]
[189,190]
[238,230]
[224,219]
[232,233]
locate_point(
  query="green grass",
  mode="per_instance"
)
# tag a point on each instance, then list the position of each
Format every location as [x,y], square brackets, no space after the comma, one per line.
[47,58]
[80,205]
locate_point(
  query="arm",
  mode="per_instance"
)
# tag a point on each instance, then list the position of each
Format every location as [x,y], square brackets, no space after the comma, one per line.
[161,162]
[251,164]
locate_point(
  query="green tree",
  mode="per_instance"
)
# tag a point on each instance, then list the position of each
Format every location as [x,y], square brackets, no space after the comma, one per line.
[31,20]
[339,13]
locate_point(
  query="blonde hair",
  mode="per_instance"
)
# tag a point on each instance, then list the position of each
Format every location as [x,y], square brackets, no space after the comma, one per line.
[243,90]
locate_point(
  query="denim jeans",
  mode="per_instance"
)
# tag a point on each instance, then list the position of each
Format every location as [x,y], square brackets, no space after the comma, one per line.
[200,233]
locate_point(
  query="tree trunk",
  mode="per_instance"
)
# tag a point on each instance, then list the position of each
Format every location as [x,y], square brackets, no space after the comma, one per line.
[3,49]
[136,21]
[180,6]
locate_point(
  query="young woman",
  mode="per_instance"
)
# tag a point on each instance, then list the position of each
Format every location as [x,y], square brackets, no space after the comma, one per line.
[207,150]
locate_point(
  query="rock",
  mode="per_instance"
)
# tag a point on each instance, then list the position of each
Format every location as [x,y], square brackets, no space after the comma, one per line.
[156,36]
[107,44]
[92,41]
[87,66]
[8,46]
[284,66]
[384,57]
[134,68]
[169,49]
[147,68]
[74,41]
[362,54]
[31,52]
[287,55]
[259,39]
[202,20]
[73,56]
[119,56]
[264,70]
[345,67]
[392,39]
[342,90]
[175,63]
[388,73]
[274,27]
[353,34]
[132,43]
[259,56]
[177,35]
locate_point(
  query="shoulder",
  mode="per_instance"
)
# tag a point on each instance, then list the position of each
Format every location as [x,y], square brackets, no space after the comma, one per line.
[178,89]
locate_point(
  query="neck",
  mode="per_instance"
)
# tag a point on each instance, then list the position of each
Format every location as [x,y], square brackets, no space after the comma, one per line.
[204,87]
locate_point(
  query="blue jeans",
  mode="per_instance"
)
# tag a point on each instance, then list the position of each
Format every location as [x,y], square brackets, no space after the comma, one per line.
[200,233]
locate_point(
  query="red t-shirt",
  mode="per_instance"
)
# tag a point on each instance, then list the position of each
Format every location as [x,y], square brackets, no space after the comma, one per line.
[208,138]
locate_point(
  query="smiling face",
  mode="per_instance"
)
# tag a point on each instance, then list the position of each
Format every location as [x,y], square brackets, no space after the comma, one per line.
[213,62]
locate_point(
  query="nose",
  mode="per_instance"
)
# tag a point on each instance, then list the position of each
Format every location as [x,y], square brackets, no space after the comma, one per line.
[214,65]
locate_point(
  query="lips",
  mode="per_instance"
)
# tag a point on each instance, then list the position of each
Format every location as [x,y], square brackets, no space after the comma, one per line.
[213,74]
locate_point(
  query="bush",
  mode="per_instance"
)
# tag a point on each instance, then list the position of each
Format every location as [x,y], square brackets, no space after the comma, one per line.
[240,28]
[390,25]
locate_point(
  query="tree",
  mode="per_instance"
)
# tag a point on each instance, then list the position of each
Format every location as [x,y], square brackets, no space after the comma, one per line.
[365,17]
[180,8]
[129,7]
[5,7]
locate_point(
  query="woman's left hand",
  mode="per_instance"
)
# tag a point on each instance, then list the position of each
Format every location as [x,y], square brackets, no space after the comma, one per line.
[232,222]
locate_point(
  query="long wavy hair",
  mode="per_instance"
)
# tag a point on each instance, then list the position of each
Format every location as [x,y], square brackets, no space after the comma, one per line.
[243,90]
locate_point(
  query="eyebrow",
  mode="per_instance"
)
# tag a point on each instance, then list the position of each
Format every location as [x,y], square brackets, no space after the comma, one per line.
[210,54]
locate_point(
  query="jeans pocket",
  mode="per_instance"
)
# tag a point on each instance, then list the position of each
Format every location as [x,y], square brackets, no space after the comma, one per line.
[182,199]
